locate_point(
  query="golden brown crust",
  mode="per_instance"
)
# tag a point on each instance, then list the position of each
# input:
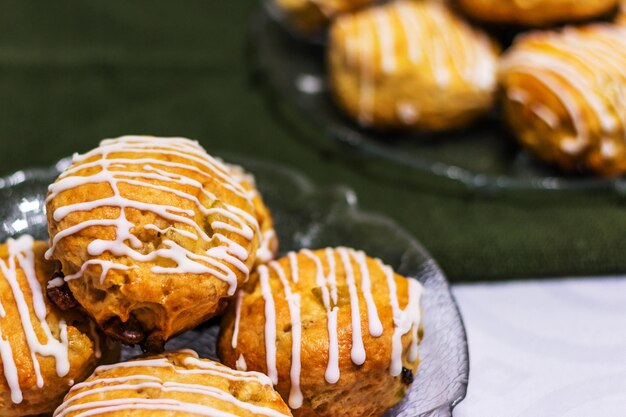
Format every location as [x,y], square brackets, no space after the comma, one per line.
[411,65]
[80,351]
[536,12]
[362,390]
[563,97]
[178,383]
[310,16]
[196,251]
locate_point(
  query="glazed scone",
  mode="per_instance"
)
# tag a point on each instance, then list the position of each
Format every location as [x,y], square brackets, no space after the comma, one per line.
[335,330]
[175,383]
[311,16]
[43,350]
[564,97]
[154,235]
[536,12]
[411,65]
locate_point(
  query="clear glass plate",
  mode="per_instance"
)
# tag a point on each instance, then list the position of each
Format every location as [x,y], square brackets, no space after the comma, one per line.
[308,217]
[483,157]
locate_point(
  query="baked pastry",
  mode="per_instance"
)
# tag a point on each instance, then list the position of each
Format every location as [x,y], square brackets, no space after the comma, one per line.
[536,12]
[154,235]
[335,330]
[43,350]
[175,383]
[564,96]
[311,16]
[411,65]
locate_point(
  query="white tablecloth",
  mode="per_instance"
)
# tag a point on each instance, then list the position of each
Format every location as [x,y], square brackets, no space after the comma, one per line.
[545,349]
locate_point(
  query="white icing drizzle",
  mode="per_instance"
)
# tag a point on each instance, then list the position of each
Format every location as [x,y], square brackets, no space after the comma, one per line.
[430,33]
[375,326]
[413,306]
[404,320]
[367,94]
[607,148]
[384,24]
[181,232]
[332,372]
[575,66]
[408,112]
[205,367]
[99,387]
[293,263]
[270,324]
[544,113]
[357,353]
[238,303]
[115,167]
[10,370]
[216,369]
[21,256]
[518,95]
[332,274]
[293,301]
[241,364]
[265,253]
[105,266]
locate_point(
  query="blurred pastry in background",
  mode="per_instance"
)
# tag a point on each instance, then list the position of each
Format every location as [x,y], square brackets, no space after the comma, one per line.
[411,65]
[43,350]
[536,12]
[173,384]
[335,330]
[154,235]
[311,16]
[621,14]
[564,96]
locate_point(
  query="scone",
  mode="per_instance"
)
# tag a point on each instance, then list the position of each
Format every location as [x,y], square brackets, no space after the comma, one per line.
[564,97]
[411,65]
[175,383]
[536,12]
[154,235]
[43,351]
[335,330]
[311,16]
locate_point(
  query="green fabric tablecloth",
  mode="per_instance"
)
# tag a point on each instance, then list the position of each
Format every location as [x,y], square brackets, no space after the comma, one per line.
[73,72]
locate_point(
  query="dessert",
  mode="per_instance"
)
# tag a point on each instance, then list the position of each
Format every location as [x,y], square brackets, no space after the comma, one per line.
[174,383]
[564,96]
[154,235]
[43,350]
[336,331]
[411,65]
